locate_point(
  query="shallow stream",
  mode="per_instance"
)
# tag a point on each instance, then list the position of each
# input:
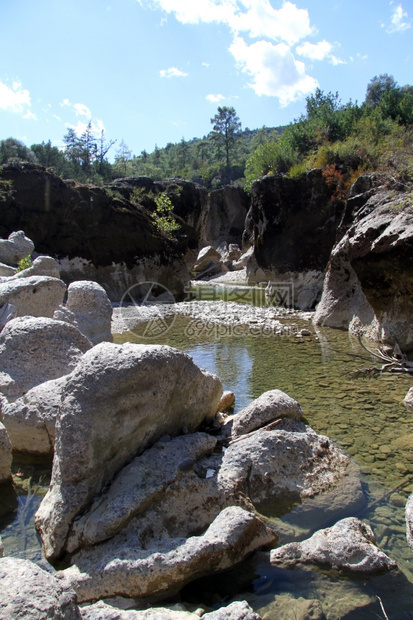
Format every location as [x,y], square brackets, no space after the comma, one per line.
[362,411]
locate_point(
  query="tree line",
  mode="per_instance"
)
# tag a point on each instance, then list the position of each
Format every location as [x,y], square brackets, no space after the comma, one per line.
[343,139]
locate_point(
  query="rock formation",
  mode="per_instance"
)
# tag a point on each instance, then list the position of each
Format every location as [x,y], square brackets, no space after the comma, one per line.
[292,226]
[368,284]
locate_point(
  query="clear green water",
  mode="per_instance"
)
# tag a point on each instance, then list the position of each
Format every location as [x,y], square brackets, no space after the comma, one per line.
[364,413]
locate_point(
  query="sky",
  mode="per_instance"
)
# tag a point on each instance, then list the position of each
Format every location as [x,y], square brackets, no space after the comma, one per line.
[151,72]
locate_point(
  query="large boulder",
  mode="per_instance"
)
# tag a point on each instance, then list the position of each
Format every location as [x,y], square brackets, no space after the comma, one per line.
[117,401]
[271,405]
[122,567]
[349,546]
[139,488]
[88,308]
[28,591]
[15,248]
[207,260]
[34,295]
[5,455]
[291,462]
[34,350]
[31,419]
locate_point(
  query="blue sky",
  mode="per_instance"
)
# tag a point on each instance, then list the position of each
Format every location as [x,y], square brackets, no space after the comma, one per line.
[155,71]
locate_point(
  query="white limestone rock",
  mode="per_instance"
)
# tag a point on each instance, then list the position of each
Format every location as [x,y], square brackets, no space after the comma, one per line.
[88,308]
[41,266]
[31,419]
[33,295]
[37,349]
[27,591]
[271,405]
[349,545]
[16,247]
[117,401]
[122,567]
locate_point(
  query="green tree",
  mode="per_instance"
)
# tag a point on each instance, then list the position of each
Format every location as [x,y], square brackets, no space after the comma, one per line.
[122,156]
[12,149]
[50,157]
[378,87]
[226,127]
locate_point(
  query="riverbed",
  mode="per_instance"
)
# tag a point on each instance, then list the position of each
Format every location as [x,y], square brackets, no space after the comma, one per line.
[254,349]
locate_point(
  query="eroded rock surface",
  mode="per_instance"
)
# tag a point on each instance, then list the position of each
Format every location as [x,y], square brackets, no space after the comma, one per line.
[271,405]
[37,349]
[31,419]
[88,308]
[349,546]
[27,591]
[33,296]
[121,567]
[117,401]
[16,247]
[369,280]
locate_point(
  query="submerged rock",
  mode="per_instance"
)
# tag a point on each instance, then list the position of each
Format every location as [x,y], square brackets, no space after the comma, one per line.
[409,521]
[27,591]
[349,546]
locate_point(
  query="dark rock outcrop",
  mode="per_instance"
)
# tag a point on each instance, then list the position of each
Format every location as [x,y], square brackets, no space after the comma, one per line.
[292,225]
[95,232]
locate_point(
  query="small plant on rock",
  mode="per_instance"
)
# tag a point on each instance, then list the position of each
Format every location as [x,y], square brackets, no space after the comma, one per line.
[24,263]
[163,217]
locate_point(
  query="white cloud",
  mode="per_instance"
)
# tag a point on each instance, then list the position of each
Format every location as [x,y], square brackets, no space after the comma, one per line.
[274,70]
[257,18]
[30,115]
[15,99]
[215,98]
[319,51]
[80,109]
[172,72]
[269,61]
[288,23]
[80,127]
[399,20]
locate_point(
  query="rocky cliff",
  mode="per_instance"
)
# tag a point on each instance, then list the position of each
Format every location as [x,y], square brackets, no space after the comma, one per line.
[107,234]
[369,279]
[291,226]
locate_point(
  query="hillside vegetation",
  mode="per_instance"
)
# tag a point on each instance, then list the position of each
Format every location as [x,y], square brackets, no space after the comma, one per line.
[345,140]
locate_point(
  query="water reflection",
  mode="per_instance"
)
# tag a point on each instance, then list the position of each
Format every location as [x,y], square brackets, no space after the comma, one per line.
[361,411]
